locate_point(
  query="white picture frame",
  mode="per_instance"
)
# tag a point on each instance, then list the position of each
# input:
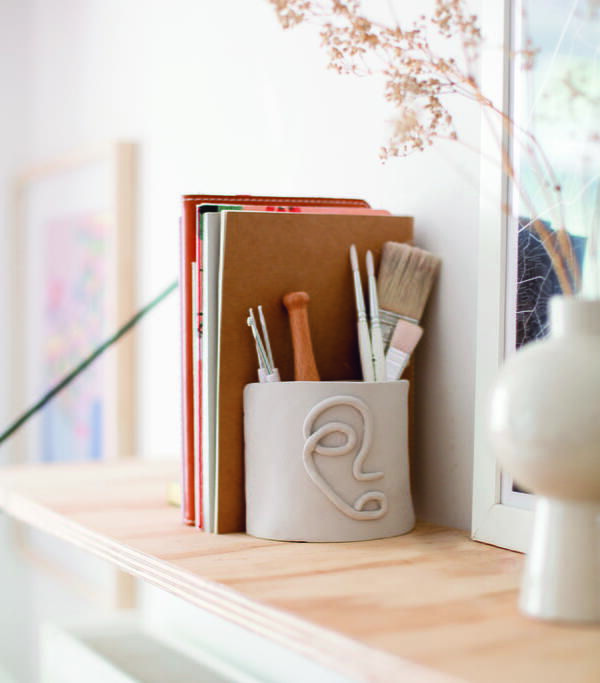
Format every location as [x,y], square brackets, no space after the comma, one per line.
[493,520]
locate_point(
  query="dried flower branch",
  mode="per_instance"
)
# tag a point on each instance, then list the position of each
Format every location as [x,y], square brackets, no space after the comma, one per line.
[418,81]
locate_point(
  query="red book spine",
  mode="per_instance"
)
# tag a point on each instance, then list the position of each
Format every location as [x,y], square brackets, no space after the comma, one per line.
[188,248]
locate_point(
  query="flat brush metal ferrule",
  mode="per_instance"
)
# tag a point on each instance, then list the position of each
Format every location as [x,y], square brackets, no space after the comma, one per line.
[388,321]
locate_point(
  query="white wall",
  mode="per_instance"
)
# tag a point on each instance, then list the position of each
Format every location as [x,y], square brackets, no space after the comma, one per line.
[221,99]
[15,22]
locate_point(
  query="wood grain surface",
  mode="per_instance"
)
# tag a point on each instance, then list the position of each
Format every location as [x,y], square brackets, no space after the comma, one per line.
[305,366]
[428,606]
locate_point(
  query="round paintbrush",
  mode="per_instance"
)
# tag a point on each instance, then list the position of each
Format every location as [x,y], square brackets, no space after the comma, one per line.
[305,367]
[406,276]
[376,336]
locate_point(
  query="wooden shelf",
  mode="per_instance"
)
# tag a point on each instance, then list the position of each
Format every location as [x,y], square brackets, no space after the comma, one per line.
[427,606]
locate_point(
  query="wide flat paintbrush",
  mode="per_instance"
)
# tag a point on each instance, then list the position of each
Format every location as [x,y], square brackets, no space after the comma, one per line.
[406,276]
[406,336]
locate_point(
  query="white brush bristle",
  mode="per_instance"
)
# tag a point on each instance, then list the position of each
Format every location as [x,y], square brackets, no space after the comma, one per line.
[406,276]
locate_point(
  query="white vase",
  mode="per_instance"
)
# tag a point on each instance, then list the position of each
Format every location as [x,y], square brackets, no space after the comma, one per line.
[545,429]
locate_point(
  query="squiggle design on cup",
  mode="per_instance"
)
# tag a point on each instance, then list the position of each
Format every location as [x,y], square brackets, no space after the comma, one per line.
[312,445]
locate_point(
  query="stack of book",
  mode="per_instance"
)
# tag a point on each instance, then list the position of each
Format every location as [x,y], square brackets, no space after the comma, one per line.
[239,252]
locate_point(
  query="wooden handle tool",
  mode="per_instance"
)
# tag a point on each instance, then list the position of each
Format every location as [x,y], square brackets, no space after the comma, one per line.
[305,367]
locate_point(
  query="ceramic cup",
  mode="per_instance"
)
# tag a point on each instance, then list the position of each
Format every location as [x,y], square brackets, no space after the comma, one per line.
[327,461]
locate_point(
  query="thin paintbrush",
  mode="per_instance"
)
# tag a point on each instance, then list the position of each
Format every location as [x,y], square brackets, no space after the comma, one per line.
[364,339]
[406,276]
[263,359]
[265,331]
[376,338]
[267,372]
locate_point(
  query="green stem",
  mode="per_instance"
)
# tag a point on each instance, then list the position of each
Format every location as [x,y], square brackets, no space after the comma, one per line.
[86,362]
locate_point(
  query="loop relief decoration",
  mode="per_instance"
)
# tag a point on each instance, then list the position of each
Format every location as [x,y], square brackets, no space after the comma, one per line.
[313,445]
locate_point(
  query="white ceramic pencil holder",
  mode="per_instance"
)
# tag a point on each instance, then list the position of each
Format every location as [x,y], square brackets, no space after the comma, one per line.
[327,461]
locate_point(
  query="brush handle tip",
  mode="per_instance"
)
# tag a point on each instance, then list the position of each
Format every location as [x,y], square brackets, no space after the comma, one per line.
[295,300]
[305,367]
[353,257]
[370,264]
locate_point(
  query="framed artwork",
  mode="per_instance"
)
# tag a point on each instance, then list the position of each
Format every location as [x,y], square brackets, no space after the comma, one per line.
[74,284]
[74,275]
[543,71]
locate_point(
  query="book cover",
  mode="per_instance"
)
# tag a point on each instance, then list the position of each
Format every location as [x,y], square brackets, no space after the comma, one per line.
[190,253]
[206,346]
[264,256]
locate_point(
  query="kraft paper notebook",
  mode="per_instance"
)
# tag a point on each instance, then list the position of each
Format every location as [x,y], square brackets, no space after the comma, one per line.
[191,250]
[262,257]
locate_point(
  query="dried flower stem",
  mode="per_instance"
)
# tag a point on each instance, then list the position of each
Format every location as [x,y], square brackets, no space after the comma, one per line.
[417,82]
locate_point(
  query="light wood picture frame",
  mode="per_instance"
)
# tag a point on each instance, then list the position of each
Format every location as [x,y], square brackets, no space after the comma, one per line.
[74,270]
[74,283]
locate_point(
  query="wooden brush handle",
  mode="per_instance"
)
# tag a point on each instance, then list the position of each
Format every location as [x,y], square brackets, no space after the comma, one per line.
[305,367]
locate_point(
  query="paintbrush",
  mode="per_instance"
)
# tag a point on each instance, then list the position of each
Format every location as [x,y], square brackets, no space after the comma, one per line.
[376,338]
[406,336]
[406,276]
[364,339]
[267,372]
